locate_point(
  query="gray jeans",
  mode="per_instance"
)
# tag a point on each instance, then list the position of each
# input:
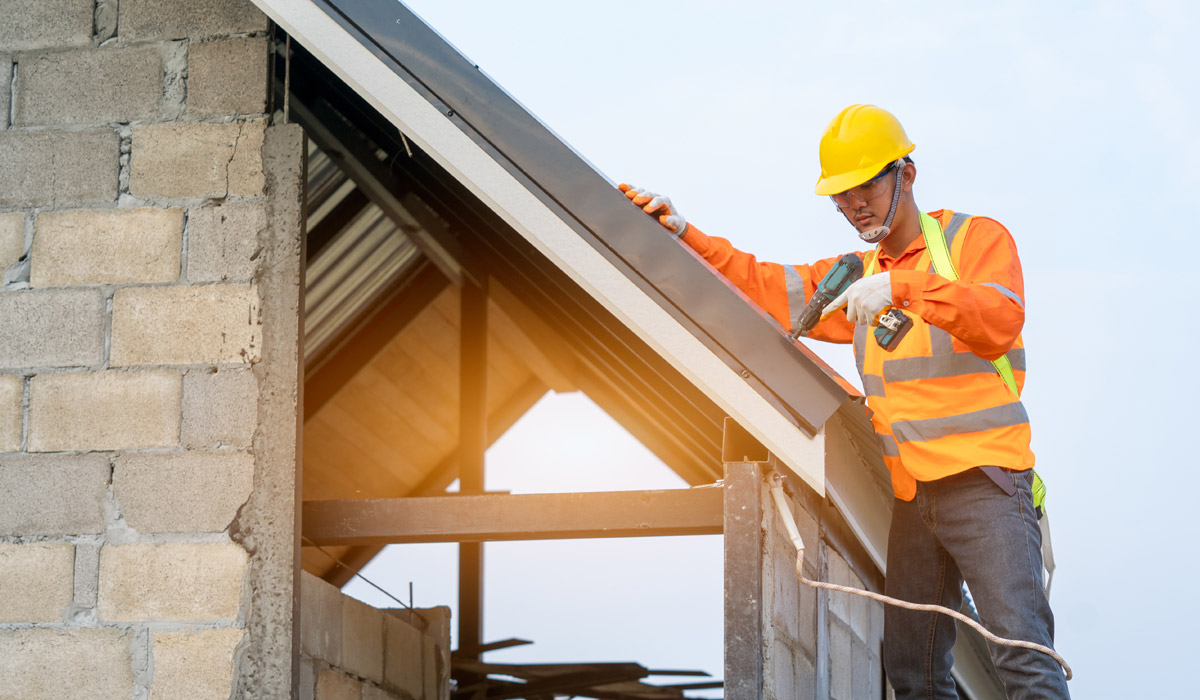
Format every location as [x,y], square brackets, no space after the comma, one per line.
[966,527]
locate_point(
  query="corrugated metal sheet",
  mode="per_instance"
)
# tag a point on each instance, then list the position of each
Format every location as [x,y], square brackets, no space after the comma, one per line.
[366,257]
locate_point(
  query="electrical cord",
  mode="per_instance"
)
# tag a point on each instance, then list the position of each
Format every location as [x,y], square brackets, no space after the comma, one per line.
[789,523]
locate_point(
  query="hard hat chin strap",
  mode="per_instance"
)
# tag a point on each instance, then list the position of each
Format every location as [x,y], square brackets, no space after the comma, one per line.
[879,233]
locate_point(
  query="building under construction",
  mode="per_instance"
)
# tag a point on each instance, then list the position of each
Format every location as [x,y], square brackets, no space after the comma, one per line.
[277,274]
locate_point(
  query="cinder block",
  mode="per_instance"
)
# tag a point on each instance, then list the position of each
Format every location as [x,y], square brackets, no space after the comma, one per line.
[37,580]
[104,411]
[362,640]
[839,572]
[429,667]
[166,19]
[780,683]
[52,494]
[37,24]
[320,619]
[332,685]
[308,679]
[865,672]
[58,168]
[11,389]
[220,408]
[106,246]
[197,160]
[223,242]
[51,328]
[43,664]
[786,587]
[807,626]
[179,325]
[183,492]
[373,692]
[12,228]
[403,663]
[171,581]
[87,574]
[6,74]
[91,86]
[227,77]
[841,665]
[194,664]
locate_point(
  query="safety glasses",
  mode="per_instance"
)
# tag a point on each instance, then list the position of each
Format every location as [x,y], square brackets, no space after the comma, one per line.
[865,192]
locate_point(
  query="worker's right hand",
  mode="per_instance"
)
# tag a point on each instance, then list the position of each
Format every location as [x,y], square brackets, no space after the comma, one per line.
[657,205]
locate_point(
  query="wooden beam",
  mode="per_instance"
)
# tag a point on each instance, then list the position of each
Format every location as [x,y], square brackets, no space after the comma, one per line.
[503,517]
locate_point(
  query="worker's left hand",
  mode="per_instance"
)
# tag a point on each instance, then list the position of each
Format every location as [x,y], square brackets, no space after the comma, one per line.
[865,298]
[658,206]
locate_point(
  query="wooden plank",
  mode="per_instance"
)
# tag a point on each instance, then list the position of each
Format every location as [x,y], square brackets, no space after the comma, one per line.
[502,517]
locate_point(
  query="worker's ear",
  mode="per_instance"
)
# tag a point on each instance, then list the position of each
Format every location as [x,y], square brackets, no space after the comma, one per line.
[908,176]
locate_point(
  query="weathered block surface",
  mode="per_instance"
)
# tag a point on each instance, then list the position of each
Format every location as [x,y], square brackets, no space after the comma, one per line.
[182,492]
[58,168]
[321,619]
[12,228]
[332,685]
[220,408]
[197,160]
[35,24]
[223,242]
[176,581]
[227,77]
[194,664]
[37,580]
[165,19]
[94,86]
[106,246]
[11,389]
[6,70]
[209,324]
[362,640]
[403,649]
[52,495]
[42,664]
[104,411]
[51,328]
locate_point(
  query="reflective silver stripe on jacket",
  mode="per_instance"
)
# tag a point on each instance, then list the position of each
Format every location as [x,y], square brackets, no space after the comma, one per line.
[1004,416]
[795,294]
[860,346]
[889,446]
[944,361]
[957,219]
[1006,292]
[873,385]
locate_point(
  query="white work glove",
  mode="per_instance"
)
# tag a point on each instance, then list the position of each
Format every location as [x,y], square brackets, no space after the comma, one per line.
[658,206]
[865,298]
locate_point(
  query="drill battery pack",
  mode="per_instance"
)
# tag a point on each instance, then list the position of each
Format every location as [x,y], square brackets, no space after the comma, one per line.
[891,328]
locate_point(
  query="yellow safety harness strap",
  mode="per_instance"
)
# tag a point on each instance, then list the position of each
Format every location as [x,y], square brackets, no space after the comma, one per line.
[939,251]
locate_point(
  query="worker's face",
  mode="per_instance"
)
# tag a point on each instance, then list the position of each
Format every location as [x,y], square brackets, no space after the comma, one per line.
[866,206]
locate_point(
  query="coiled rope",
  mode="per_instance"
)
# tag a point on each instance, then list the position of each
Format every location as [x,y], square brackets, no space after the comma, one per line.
[789,523]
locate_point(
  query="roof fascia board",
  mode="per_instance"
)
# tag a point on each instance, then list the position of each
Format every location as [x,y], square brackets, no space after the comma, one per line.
[455,151]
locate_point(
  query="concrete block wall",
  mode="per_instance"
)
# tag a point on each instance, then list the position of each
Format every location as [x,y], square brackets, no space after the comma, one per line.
[351,651]
[816,643]
[150,247]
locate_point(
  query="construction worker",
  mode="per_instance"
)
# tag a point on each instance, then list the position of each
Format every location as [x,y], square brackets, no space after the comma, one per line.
[952,428]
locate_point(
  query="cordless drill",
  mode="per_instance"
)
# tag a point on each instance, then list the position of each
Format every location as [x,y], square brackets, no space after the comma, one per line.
[845,272]
[891,327]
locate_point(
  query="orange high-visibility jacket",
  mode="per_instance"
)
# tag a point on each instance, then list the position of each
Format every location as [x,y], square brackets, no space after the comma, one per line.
[938,404]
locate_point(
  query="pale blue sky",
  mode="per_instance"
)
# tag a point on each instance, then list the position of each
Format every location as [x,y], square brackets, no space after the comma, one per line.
[1074,124]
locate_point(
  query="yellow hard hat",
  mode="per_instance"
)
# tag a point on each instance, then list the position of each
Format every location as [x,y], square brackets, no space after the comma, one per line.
[860,142]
